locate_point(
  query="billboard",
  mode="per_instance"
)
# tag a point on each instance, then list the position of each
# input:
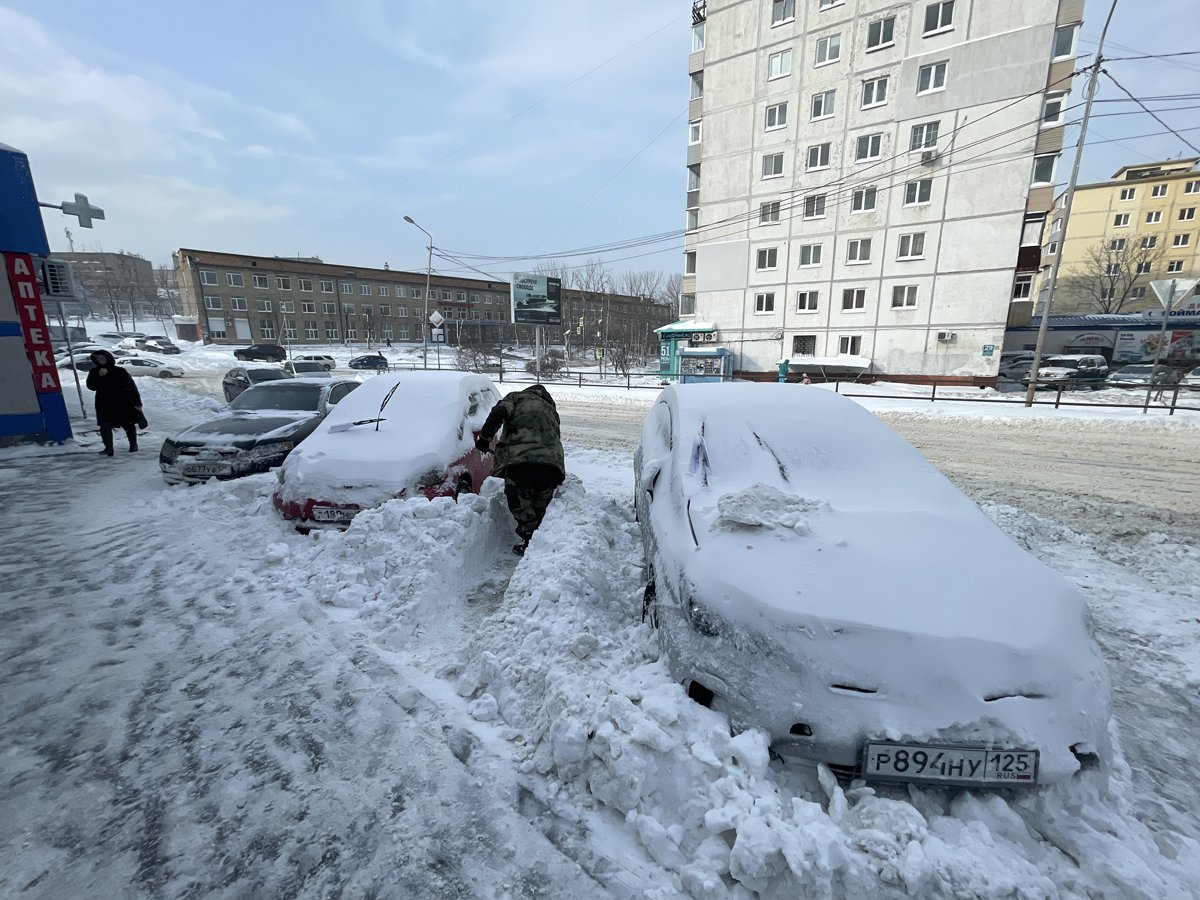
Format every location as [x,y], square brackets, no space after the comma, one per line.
[1140,346]
[536,299]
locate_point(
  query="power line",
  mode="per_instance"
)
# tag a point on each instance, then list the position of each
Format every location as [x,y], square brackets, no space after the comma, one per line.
[1109,59]
[1151,113]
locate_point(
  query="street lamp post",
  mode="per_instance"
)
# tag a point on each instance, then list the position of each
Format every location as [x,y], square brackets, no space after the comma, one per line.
[428,273]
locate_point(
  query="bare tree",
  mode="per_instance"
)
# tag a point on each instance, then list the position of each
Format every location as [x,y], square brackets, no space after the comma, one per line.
[1110,271]
[474,354]
[644,283]
[672,286]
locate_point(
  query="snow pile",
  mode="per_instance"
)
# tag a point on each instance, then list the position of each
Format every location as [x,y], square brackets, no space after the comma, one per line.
[767,507]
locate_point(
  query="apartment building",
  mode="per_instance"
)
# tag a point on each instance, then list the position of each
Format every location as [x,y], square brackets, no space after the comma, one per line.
[239,298]
[114,284]
[1142,224]
[868,181]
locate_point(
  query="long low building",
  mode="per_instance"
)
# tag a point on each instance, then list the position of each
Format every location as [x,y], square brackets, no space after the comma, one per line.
[1119,338]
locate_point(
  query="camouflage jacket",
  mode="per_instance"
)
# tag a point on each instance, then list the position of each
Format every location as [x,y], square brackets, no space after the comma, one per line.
[531,430]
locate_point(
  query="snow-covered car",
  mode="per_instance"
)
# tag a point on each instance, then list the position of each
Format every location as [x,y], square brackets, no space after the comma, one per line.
[159,345]
[1142,376]
[409,434]
[237,380]
[1191,380]
[138,365]
[376,361]
[261,428]
[323,358]
[1071,372]
[811,574]
[306,368]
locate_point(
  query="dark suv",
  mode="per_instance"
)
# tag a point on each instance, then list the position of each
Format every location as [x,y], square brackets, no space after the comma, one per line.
[264,352]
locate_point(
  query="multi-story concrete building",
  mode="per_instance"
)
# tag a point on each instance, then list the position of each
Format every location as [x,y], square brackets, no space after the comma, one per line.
[1142,224]
[868,180]
[239,298]
[118,285]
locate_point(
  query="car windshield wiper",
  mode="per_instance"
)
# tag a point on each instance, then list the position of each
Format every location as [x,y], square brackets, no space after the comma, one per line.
[346,426]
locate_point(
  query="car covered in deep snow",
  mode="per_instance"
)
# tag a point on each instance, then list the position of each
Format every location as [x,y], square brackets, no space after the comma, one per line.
[263,425]
[1140,376]
[810,573]
[409,434]
[140,365]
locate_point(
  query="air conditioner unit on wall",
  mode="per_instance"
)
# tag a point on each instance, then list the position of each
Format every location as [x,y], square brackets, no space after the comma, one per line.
[697,337]
[946,337]
[930,156]
[710,336]
[56,279]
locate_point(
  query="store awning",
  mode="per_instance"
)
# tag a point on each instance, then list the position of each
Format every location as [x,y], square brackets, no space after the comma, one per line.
[685,327]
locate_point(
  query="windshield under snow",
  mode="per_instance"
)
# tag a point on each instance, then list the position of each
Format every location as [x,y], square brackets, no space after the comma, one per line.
[289,396]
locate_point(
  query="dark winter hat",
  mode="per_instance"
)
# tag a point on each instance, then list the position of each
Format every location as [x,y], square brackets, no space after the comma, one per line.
[106,358]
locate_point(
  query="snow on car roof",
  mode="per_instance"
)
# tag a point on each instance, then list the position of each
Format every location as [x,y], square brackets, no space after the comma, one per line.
[418,431]
[820,511]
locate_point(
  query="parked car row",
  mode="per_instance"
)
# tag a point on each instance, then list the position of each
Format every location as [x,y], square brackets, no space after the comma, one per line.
[1089,371]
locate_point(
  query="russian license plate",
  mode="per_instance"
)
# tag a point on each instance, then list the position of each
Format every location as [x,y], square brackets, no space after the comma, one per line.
[206,469]
[966,766]
[333,514]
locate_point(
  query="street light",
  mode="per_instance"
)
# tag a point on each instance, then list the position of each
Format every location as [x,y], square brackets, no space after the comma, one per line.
[428,272]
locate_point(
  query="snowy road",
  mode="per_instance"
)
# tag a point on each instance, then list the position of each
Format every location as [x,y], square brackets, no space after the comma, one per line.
[200,703]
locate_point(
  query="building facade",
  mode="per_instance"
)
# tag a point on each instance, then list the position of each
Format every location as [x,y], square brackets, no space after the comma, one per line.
[1141,225]
[868,180]
[115,285]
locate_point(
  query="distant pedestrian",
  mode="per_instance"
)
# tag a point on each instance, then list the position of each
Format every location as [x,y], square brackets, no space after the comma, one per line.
[389,343]
[118,403]
[529,457]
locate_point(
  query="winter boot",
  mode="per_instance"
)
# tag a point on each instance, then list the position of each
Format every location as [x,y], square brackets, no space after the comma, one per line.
[131,433]
[106,435]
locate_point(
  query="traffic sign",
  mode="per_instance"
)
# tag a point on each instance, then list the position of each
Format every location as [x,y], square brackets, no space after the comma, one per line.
[438,335]
[436,318]
[1181,287]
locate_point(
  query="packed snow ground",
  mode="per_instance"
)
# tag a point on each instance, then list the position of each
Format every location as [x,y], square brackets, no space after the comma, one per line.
[200,702]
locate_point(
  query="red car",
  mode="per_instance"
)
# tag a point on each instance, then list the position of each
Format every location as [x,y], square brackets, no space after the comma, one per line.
[406,434]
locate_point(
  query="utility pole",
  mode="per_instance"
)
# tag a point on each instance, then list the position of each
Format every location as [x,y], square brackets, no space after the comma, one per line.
[425,320]
[1068,200]
[70,239]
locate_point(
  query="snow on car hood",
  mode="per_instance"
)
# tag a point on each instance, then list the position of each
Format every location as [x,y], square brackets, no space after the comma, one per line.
[419,433]
[243,427]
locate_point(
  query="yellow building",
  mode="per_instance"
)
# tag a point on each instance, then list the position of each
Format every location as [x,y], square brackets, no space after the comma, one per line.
[1141,225]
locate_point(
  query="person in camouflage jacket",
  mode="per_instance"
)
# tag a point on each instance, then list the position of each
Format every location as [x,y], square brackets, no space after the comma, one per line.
[529,457]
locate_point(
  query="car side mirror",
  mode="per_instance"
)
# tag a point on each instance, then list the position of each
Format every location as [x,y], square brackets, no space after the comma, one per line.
[650,473]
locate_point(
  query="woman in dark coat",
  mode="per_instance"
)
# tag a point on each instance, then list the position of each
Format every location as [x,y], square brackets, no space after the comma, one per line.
[117,400]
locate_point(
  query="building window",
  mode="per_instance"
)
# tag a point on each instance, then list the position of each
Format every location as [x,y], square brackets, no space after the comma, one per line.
[1175,265]
[216,327]
[776,116]
[1159,190]
[767,259]
[924,136]
[782,11]
[822,104]
[858,250]
[779,65]
[764,303]
[331,331]
[880,33]
[1064,41]
[768,213]
[306,285]
[460,297]
[351,332]
[416,293]
[283,282]
[1043,169]
[348,309]
[401,312]
[1128,193]
[386,331]
[1138,293]
[1116,244]
[1192,187]
[260,282]
[772,165]
[697,37]
[487,299]
[447,295]
[689,262]
[868,146]
[1143,268]
[810,255]
[806,301]
[346,287]
[1112,269]
[364,289]
[367,310]
[687,304]
[1181,240]
[904,296]
[289,329]
[849,345]
[208,276]
[863,199]
[307,306]
[804,345]
[697,85]
[829,4]
[874,92]
[1187,214]
[400,291]
[235,279]
[693,219]
[818,157]
[917,193]
[1022,287]
[263,305]
[912,246]
[829,49]
[212,302]
[854,299]
[287,306]
[1052,109]
[1052,248]
[310,331]
[694,131]
[238,303]
[266,329]
[1148,243]
[329,309]
[1154,217]
[385,310]
[814,207]
[931,78]
[326,287]
[1121,220]
[939,16]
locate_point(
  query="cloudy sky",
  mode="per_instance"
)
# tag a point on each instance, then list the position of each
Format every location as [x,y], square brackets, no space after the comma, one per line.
[312,127]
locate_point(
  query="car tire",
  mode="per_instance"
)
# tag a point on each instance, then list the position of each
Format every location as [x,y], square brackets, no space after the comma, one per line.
[463,487]
[164,374]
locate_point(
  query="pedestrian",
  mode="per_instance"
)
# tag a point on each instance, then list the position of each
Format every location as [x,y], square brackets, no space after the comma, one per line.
[529,456]
[389,343]
[118,402]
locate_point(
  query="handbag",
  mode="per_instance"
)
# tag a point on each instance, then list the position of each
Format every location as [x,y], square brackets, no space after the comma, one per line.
[139,419]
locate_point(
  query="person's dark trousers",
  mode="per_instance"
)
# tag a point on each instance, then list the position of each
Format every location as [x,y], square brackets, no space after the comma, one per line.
[529,488]
[106,435]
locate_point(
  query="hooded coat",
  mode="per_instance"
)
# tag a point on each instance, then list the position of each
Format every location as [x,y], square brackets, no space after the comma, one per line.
[116,393]
[531,431]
